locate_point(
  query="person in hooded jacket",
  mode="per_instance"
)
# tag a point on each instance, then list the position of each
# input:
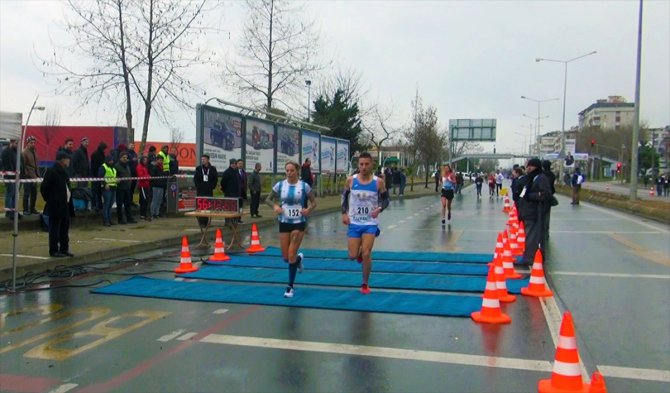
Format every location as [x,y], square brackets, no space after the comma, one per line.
[97,159]
[55,190]
[533,198]
[546,169]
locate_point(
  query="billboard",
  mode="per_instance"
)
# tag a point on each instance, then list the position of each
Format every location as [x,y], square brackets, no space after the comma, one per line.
[220,135]
[260,145]
[481,130]
[328,146]
[310,148]
[342,157]
[570,146]
[288,146]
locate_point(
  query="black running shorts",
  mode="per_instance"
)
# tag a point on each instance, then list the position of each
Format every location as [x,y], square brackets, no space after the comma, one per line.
[449,194]
[288,228]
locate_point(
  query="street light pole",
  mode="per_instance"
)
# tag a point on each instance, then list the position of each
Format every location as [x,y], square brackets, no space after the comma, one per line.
[539,102]
[309,98]
[565,90]
[17,176]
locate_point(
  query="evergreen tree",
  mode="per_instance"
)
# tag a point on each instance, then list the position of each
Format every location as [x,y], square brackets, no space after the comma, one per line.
[341,116]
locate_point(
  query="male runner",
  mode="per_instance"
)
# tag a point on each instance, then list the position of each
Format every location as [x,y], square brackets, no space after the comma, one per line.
[364,197]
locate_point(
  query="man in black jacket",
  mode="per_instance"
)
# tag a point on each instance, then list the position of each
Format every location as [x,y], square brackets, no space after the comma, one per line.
[80,163]
[97,159]
[532,201]
[123,197]
[55,190]
[205,180]
[9,165]
[230,182]
[546,169]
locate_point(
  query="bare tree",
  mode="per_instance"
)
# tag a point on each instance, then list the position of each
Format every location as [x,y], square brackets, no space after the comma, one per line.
[381,132]
[276,53]
[176,136]
[48,129]
[141,47]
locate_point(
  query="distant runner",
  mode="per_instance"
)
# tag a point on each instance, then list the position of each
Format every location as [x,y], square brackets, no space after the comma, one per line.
[448,181]
[291,195]
[364,197]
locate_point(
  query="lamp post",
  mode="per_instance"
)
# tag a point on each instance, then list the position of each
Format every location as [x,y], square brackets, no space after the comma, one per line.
[539,102]
[309,98]
[17,176]
[537,127]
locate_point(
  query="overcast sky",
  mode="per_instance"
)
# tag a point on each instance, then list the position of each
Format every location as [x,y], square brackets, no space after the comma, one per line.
[469,59]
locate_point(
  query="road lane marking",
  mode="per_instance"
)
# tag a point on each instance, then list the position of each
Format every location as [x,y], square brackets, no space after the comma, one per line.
[24,256]
[655,256]
[220,311]
[391,226]
[64,388]
[622,275]
[171,336]
[381,352]
[553,232]
[117,240]
[554,319]
[633,219]
[635,373]
[187,336]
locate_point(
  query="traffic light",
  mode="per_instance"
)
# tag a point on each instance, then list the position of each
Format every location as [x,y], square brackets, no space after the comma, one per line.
[618,167]
[593,142]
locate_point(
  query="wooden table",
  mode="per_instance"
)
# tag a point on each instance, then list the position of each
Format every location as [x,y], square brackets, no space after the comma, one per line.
[232,219]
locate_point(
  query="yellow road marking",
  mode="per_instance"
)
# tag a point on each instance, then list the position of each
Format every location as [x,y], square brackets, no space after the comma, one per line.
[655,256]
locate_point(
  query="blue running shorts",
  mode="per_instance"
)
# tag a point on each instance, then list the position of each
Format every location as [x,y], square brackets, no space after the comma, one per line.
[356,231]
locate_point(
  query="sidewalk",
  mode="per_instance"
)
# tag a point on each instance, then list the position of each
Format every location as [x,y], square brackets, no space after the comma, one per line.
[91,242]
[624,189]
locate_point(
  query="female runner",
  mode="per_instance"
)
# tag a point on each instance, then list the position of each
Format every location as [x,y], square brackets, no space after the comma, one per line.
[448,181]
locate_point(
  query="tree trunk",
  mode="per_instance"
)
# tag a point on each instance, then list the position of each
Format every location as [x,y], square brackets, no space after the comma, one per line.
[126,79]
[150,69]
[425,166]
[269,94]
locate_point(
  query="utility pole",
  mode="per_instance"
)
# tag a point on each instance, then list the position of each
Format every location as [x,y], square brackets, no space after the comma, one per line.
[636,118]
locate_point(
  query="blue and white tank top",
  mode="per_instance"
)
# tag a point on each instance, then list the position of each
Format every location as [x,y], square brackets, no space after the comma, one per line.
[292,198]
[447,184]
[363,199]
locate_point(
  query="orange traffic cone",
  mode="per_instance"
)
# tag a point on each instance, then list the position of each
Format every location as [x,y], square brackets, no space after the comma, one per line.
[255,241]
[185,264]
[652,192]
[597,383]
[513,234]
[490,312]
[508,259]
[521,237]
[566,375]
[501,284]
[506,206]
[219,249]
[536,286]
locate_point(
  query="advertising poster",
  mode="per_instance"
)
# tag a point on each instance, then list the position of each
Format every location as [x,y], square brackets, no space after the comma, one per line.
[222,137]
[311,142]
[260,141]
[288,146]
[342,159]
[328,146]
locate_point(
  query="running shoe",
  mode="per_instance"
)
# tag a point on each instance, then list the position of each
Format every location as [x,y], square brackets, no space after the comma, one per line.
[365,289]
[301,267]
[449,216]
[443,221]
[288,292]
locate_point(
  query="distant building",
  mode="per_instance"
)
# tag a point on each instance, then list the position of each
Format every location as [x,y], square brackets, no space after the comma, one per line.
[608,114]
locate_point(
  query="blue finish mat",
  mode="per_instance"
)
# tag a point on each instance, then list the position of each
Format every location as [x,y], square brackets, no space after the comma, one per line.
[468,269]
[421,282]
[392,255]
[351,300]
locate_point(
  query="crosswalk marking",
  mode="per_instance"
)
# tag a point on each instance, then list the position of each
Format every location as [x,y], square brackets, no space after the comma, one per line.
[171,335]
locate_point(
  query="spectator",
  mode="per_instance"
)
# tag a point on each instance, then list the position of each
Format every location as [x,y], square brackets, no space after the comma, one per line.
[666,185]
[230,181]
[577,180]
[80,163]
[123,198]
[30,171]
[532,198]
[55,190]
[403,181]
[518,183]
[158,185]
[97,159]
[132,163]
[152,154]
[436,175]
[166,158]
[9,165]
[205,180]
[388,177]
[551,177]
[396,179]
[174,163]
[255,190]
[108,171]
[144,185]
[659,185]
[460,181]
[68,148]
[243,183]
[306,172]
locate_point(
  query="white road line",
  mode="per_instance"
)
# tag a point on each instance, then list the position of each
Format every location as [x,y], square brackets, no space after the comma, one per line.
[633,219]
[391,226]
[623,275]
[24,256]
[171,336]
[554,319]
[635,373]
[117,240]
[187,336]
[220,311]
[584,232]
[382,352]
[64,388]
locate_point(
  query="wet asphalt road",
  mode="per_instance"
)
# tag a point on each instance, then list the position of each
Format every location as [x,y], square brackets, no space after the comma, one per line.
[610,270]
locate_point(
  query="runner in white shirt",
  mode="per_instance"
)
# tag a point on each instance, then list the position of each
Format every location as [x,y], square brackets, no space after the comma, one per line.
[499,181]
[291,196]
[364,197]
